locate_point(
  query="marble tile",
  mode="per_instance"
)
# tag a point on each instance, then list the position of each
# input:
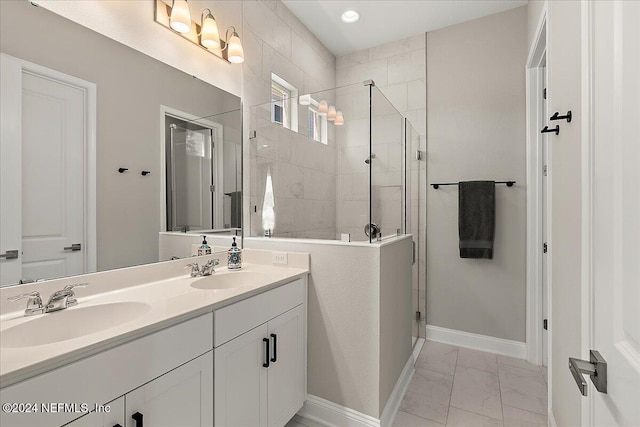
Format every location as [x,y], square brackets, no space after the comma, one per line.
[397,95]
[461,418]
[478,360]
[407,67]
[290,183]
[514,417]
[396,47]
[351,59]
[477,391]
[518,363]
[523,389]
[417,94]
[405,419]
[264,22]
[311,62]
[274,62]
[374,70]
[438,357]
[428,395]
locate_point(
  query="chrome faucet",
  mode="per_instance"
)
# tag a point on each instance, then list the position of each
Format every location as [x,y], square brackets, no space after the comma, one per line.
[63,299]
[34,305]
[207,270]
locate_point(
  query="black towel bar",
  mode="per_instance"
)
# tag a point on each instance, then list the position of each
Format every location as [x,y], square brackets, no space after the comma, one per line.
[508,183]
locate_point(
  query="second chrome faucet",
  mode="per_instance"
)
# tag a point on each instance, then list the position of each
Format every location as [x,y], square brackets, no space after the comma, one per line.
[59,300]
[207,270]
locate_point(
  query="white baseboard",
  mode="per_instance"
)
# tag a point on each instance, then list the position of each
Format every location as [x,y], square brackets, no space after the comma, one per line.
[321,411]
[477,342]
[552,419]
[393,403]
[417,348]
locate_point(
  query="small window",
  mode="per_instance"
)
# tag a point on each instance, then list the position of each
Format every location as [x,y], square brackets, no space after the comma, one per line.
[317,123]
[284,98]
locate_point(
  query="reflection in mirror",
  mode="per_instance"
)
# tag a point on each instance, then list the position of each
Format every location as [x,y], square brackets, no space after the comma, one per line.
[83,117]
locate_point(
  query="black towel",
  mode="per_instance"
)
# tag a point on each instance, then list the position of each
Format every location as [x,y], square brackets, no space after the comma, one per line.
[476,218]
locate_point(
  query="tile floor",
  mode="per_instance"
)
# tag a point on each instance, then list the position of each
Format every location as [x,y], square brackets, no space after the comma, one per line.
[456,386]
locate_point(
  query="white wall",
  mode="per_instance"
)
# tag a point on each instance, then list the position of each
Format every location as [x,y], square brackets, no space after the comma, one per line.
[476,116]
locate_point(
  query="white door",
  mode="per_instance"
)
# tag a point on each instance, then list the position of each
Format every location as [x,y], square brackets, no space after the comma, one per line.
[287,368]
[545,229]
[615,211]
[241,380]
[46,210]
[181,397]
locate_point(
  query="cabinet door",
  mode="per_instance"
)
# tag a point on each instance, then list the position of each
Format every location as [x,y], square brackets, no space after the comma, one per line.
[241,380]
[181,397]
[286,373]
[114,417]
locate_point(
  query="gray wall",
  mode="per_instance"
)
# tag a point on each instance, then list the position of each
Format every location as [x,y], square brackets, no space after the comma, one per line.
[476,116]
[130,89]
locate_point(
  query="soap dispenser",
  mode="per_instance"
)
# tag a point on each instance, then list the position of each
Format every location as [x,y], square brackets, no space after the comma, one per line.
[234,256]
[204,248]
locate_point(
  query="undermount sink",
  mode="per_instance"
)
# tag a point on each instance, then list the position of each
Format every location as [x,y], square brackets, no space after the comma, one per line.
[229,280]
[71,323]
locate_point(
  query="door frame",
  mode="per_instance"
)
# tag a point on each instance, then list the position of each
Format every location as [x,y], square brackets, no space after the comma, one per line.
[535,163]
[218,200]
[89,90]
[587,189]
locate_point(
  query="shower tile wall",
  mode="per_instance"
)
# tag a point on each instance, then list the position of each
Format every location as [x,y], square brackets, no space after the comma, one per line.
[399,70]
[303,171]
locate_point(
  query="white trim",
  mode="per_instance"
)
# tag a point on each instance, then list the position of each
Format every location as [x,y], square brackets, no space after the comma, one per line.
[587,168]
[417,348]
[322,411]
[218,205]
[393,403]
[552,419]
[535,163]
[501,346]
[90,171]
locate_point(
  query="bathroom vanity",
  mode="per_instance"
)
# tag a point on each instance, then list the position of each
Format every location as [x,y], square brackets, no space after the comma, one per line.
[225,349]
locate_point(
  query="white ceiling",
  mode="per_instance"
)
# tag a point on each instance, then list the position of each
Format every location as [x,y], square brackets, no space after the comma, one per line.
[382,21]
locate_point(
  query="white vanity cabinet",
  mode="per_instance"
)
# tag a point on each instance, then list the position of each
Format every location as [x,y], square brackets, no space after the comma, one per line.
[113,418]
[260,372]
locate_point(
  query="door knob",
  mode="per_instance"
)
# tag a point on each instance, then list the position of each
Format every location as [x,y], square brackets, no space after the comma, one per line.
[12,254]
[74,247]
[595,367]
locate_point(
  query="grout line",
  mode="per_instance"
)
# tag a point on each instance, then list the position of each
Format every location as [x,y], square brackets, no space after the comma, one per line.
[446,418]
[477,413]
[500,391]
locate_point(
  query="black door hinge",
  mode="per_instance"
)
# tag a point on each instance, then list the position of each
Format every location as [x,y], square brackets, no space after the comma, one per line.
[418,316]
[544,247]
[544,324]
[544,93]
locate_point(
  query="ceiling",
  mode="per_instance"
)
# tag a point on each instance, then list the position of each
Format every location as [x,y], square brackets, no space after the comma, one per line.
[382,21]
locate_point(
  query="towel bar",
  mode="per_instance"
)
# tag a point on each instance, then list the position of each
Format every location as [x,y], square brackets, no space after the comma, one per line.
[508,183]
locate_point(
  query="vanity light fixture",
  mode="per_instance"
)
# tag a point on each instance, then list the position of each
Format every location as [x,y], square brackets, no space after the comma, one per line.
[209,35]
[323,108]
[177,18]
[304,99]
[339,121]
[350,16]
[331,114]
[180,18]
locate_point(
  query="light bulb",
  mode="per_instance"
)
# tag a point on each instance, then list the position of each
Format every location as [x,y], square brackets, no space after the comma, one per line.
[180,19]
[323,107]
[339,121]
[235,53]
[331,114]
[209,35]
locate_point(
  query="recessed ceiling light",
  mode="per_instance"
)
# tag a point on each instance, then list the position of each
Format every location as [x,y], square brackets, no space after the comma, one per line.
[350,16]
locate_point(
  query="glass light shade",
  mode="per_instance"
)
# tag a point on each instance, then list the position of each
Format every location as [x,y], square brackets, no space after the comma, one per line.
[339,121]
[331,114]
[209,36]
[180,19]
[235,53]
[304,99]
[323,107]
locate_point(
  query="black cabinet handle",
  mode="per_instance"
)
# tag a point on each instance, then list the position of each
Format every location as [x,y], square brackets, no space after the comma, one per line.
[137,418]
[266,353]
[275,348]
[555,130]
[117,425]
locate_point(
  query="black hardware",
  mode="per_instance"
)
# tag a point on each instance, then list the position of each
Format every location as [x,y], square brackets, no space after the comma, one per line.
[544,93]
[255,208]
[266,353]
[418,316]
[557,117]
[117,425]
[123,170]
[544,248]
[145,173]
[274,359]
[544,324]
[595,367]
[555,129]
[508,183]
[137,417]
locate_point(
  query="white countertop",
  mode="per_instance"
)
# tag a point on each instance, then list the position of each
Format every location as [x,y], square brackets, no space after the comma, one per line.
[167,302]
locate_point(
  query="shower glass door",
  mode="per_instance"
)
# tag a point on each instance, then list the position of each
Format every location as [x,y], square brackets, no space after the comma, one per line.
[413,169]
[192,179]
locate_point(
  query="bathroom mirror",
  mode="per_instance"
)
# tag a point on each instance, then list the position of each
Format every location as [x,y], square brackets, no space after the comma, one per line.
[90,177]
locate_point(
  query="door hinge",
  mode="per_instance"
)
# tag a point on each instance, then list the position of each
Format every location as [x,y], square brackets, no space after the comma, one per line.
[418,316]
[545,324]
[544,170]
[545,248]
[212,188]
[544,93]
